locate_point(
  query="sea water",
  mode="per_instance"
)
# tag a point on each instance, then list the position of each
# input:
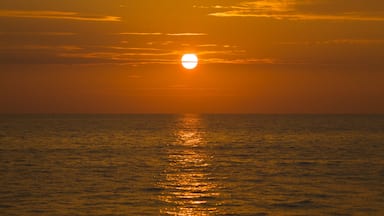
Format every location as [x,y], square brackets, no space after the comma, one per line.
[191,165]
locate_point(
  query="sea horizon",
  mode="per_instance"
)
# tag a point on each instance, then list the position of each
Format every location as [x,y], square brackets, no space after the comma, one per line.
[194,113]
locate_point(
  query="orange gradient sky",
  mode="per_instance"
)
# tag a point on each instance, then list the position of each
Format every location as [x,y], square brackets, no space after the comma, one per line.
[123,56]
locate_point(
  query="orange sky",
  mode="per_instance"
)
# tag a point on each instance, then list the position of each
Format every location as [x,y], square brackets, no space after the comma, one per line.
[123,56]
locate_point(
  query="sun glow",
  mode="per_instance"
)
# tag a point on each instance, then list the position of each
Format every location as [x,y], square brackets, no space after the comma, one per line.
[189,61]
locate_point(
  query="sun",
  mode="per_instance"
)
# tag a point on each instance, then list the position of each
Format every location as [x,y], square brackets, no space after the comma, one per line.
[189,61]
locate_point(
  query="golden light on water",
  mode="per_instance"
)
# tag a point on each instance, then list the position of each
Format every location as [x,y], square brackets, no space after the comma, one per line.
[188,188]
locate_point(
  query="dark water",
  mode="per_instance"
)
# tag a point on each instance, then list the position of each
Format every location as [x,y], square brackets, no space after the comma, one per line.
[191,165]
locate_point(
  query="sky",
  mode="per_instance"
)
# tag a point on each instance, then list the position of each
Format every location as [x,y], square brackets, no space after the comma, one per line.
[256,56]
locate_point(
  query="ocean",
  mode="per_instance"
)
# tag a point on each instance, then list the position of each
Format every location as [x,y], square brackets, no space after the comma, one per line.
[192,164]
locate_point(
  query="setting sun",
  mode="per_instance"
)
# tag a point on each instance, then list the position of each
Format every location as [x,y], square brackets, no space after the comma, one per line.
[189,61]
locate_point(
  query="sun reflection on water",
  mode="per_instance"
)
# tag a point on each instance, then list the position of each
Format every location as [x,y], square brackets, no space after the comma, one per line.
[188,186]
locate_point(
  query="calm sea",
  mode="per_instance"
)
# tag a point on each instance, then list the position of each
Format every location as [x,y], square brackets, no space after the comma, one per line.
[191,165]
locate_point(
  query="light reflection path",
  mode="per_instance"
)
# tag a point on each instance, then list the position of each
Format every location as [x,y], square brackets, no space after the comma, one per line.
[188,186]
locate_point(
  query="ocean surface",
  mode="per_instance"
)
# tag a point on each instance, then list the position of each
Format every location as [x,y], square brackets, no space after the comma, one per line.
[192,164]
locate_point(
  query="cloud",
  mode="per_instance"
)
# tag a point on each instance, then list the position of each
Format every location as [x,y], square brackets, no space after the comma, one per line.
[64,15]
[40,47]
[43,54]
[220,52]
[116,55]
[129,54]
[240,61]
[338,42]
[132,48]
[40,33]
[141,33]
[355,41]
[134,56]
[207,45]
[300,10]
[186,34]
[162,34]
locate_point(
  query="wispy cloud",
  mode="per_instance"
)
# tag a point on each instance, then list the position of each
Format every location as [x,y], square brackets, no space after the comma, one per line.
[41,47]
[220,52]
[162,34]
[240,61]
[295,10]
[140,33]
[115,55]
[338,42]
[40,33]
[35,54]
[355,41]
[132,54]
[186,34]
[345,17]
[207,45]
[65,15]
[133,48]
